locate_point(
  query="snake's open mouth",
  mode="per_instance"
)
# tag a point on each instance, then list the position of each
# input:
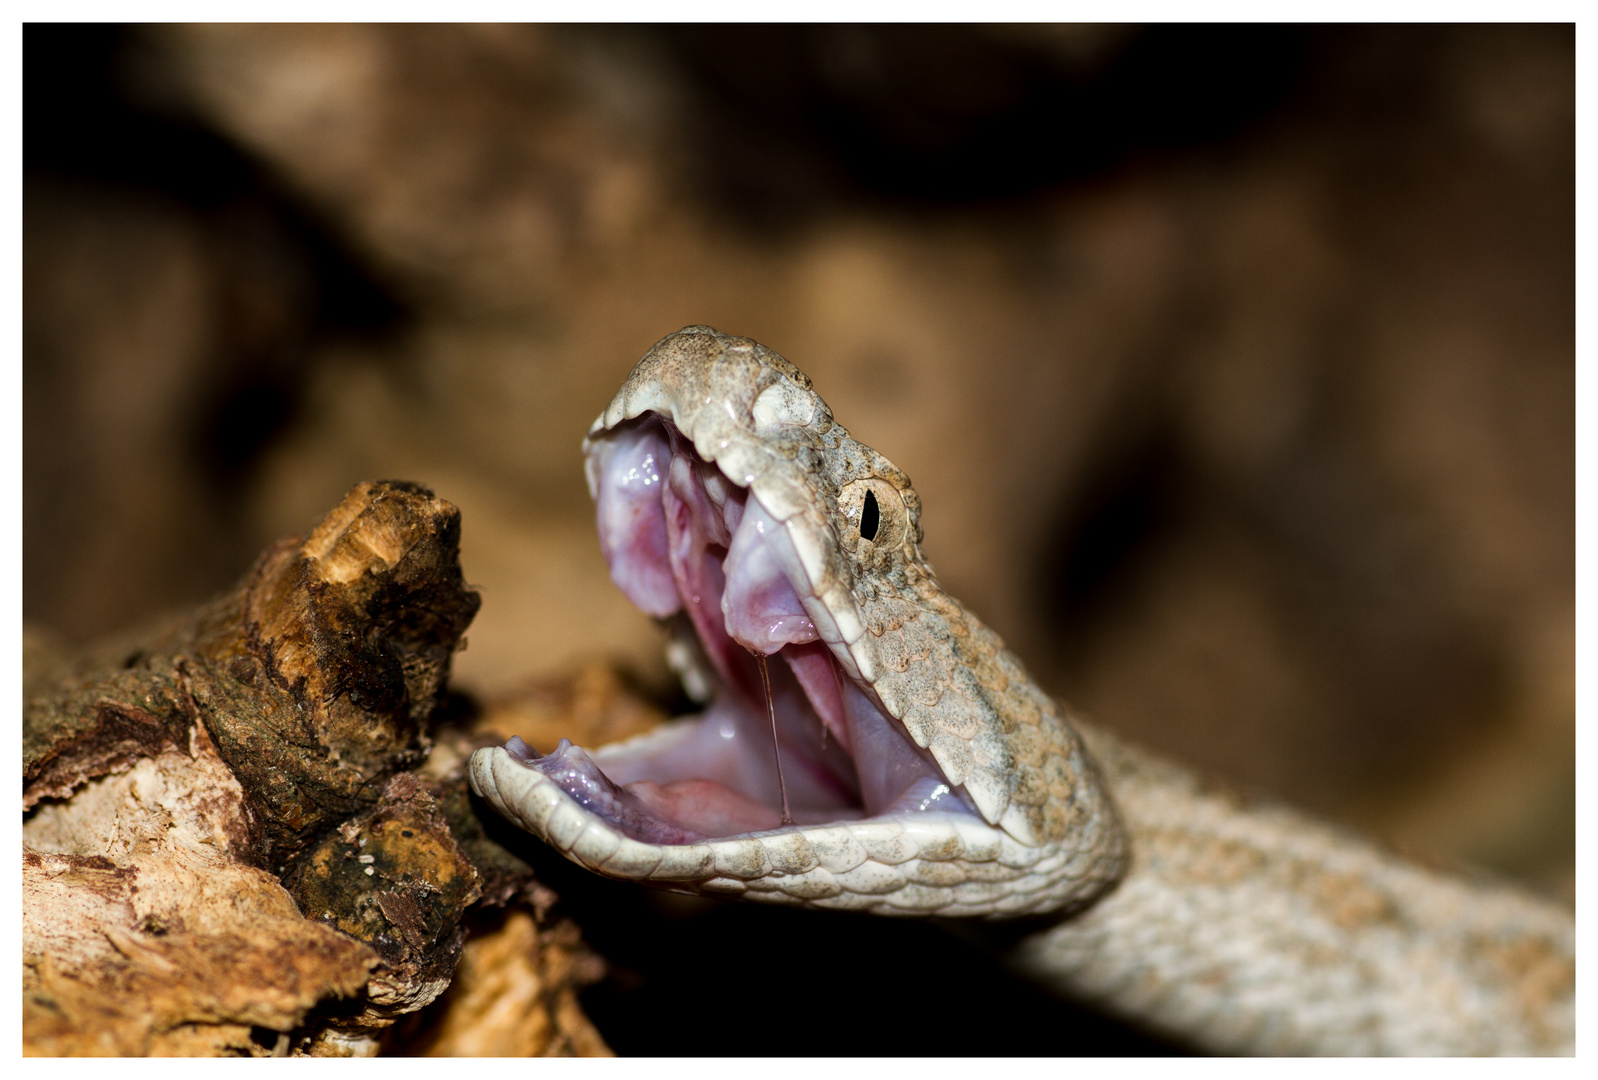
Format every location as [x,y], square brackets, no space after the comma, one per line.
[686,544]
[921,770]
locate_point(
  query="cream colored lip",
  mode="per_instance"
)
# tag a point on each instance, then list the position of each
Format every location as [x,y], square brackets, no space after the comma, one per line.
[946,864]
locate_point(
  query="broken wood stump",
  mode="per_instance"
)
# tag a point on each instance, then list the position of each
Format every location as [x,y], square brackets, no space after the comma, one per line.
[235,841]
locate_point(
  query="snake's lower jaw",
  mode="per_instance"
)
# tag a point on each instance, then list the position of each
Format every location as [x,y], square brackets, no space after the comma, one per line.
[910,864]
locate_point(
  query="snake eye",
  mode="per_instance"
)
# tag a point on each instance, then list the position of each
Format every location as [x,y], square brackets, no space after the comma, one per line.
[868,517]
[874,514]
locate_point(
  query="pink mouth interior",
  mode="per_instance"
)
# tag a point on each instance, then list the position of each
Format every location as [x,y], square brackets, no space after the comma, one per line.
[684,543]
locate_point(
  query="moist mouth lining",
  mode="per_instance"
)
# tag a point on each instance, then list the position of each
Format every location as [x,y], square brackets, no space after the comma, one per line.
[689,546]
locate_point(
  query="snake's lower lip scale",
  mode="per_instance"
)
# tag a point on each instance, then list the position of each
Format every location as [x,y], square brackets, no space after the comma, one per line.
[688,545]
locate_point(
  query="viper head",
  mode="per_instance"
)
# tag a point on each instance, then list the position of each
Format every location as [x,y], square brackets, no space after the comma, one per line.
[838,677]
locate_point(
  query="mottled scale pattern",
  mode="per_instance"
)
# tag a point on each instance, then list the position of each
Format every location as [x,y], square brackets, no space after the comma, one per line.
[1250,928]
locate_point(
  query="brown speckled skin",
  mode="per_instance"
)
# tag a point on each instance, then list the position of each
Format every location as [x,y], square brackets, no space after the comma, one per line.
[1237,928]
[1254,929]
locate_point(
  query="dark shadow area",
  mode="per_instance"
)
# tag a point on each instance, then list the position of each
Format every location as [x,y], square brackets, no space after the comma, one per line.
[287,276]
[796,121]
[1133,502]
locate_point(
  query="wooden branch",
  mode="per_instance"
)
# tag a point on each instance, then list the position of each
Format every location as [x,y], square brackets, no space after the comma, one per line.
[229,846]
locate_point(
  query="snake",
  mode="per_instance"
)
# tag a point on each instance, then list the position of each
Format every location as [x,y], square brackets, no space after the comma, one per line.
[867,744]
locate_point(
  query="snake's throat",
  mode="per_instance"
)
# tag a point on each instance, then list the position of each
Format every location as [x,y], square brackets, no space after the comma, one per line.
[687,545]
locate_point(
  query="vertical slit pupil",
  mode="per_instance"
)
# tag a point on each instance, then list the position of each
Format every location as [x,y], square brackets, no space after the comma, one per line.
[869,517]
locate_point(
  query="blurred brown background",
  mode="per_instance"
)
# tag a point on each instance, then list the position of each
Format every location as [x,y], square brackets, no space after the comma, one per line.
[1234,365]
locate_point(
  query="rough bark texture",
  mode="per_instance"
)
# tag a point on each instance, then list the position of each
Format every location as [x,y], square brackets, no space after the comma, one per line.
[226,848]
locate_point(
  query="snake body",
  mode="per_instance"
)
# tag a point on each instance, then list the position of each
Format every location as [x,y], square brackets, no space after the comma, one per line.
[930,776]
